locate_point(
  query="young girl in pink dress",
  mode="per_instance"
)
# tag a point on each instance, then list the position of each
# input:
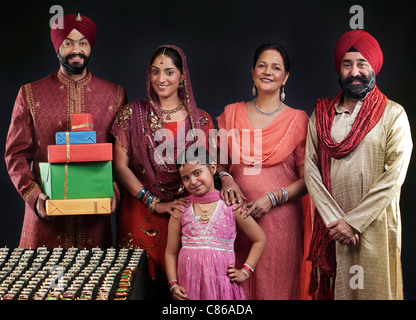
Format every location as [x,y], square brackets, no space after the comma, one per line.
[200,250]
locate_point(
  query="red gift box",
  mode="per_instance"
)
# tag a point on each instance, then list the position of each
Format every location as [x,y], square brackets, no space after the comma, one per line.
[80,152]
[81,122]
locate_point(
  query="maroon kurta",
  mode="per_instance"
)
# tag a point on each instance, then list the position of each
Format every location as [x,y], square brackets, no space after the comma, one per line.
[43,108]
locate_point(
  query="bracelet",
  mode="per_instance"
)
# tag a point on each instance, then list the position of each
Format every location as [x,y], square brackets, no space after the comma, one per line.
[273,199]
[223,173]
[139,194]
[245,273]
[152,205]
[173,284]
[172,287]
[149,199]
[285,195]
[247,270]
[146,197]
[249,267]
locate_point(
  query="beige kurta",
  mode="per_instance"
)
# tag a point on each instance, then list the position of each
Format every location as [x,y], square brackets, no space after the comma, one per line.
[365,193]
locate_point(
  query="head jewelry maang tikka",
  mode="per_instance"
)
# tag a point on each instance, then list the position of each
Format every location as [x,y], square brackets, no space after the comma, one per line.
[163,56]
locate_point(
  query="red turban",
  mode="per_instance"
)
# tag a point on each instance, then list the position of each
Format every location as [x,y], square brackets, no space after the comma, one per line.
[364,43]
[74,21]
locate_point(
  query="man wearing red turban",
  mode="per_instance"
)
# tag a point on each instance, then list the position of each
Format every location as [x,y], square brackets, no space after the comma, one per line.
[357,154]
[71,22]
[43,108]
[73,44]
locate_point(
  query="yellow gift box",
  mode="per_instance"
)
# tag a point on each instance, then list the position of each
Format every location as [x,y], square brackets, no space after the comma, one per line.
[78,206]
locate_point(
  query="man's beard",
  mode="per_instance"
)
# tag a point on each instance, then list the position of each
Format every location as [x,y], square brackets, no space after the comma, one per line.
[357,91]
[74,67]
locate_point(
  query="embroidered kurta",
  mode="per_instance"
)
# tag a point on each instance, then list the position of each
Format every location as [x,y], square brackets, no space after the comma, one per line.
[41,109]
[365,193]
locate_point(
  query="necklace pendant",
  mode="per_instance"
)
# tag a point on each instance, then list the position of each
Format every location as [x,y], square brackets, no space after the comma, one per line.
[204,218]
[169,112]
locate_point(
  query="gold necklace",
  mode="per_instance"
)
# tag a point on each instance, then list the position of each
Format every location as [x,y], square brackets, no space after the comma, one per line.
[169,112]
[204,217]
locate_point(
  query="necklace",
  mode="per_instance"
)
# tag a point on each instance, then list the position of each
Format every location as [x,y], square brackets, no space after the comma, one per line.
[169,112]
[204,217]
[267,113]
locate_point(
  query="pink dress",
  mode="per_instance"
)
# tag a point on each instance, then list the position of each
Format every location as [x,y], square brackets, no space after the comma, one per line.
[207,250]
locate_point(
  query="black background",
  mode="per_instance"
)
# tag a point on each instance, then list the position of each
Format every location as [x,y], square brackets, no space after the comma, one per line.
[219,38]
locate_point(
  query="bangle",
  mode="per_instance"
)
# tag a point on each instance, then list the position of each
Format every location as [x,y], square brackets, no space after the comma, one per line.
[223,173]
[247,275]
[172,284]
[285,195]
[246,265]
[146,196]
[247,270]
[273,199]
[152,205]
[149,200]
[172,287]
[140,193]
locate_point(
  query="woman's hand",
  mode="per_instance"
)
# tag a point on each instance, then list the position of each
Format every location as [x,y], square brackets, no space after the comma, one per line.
[231,193]
[169,207]
[179,293]
[235,275]
[259,207]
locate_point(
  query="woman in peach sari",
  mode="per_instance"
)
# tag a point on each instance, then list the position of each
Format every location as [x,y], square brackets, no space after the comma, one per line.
[268,178]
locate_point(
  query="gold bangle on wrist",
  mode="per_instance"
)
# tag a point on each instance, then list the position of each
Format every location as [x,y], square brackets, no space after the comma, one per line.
[247,275]
[152,205]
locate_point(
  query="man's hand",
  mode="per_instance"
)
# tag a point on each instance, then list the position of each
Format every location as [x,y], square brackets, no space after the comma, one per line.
[343,233]
[40,206]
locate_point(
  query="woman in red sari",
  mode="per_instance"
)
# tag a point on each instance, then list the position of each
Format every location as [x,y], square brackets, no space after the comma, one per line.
[150,134]
[267,152]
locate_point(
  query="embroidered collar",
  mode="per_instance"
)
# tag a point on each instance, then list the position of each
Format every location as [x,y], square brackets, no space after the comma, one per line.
[67,81]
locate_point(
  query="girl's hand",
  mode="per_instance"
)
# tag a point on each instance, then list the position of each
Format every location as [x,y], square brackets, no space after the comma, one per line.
[235,275]
[259,207]
[168,207]
[179,293]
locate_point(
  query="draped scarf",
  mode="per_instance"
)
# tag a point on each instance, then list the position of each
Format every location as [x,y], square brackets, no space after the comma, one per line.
[278,140]
[206,198]
[322,248]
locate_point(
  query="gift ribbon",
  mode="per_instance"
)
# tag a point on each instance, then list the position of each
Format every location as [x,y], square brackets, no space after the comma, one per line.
[68,151]
[84,125]
[66,181]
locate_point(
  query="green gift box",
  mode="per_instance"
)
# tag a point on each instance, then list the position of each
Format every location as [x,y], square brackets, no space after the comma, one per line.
[79,180]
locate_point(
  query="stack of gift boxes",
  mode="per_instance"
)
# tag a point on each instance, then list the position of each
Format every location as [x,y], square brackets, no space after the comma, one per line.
[78,176]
